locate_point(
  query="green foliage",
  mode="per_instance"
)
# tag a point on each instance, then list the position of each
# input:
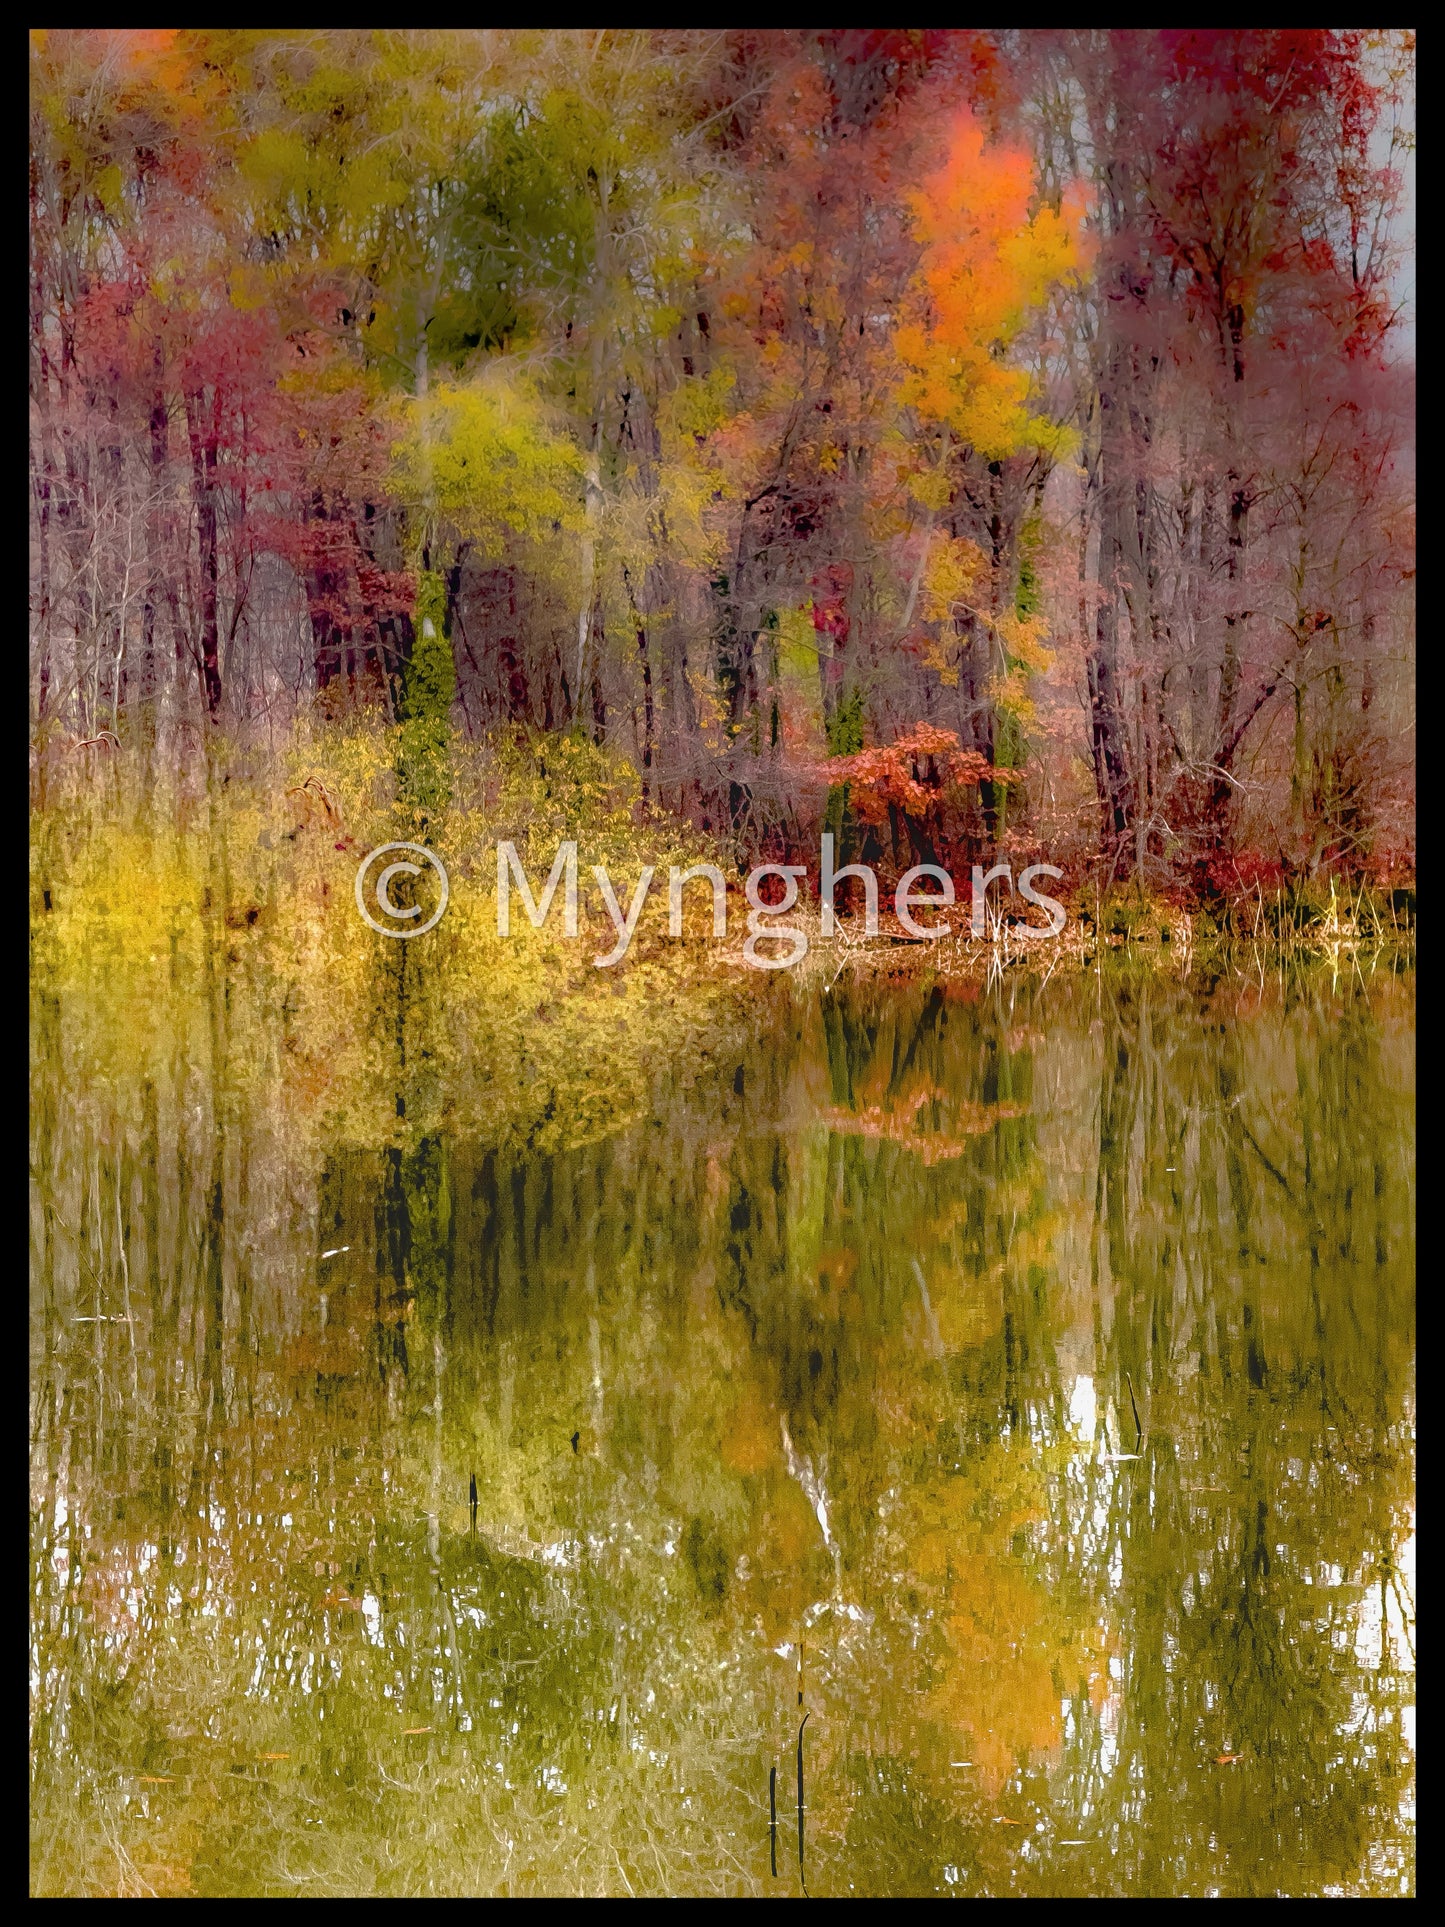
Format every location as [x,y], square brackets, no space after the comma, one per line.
[529,194]
[427,696]
[1028,600]
[845,726]
[431,680]
[844,732]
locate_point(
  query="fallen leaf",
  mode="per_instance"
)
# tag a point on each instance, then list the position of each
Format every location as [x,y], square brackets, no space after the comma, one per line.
[1000,1820]
[1229,1759]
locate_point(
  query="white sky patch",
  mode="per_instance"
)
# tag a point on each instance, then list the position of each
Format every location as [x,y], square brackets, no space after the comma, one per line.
[1084,1407]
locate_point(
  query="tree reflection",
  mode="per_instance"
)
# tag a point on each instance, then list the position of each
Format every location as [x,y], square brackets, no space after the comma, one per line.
[830,1350]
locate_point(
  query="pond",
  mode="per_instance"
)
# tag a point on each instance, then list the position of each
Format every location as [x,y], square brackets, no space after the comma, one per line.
[1011,1388]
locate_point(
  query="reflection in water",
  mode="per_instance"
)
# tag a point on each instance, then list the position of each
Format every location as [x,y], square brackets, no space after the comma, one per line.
[826,1371]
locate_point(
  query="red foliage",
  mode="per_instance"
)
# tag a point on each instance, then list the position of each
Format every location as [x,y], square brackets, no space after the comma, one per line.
[1243,875]
[911,774]
[831,586]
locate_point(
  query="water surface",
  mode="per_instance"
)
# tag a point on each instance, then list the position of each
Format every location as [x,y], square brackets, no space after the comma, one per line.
[1025,1377]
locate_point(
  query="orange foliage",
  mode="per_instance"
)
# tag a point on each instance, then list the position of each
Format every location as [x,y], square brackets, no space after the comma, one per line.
[931,1147]
[882,778]
[749,1440]
[998,1681]
[987,262]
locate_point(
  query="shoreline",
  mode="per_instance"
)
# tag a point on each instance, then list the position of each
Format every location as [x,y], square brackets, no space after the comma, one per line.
[1171,947]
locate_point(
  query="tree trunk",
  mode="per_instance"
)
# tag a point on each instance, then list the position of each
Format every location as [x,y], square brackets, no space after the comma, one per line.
[203,482]
[1112,774]
[645,658]
[326,605]
[150,612]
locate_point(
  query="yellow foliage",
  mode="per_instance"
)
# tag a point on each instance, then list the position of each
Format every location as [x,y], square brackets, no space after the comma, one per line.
[488,456]
[248,898]
[951,574]
[931,488]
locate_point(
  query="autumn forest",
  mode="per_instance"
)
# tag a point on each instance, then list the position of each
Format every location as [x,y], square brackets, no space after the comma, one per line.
[586,1402]
[980,441]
